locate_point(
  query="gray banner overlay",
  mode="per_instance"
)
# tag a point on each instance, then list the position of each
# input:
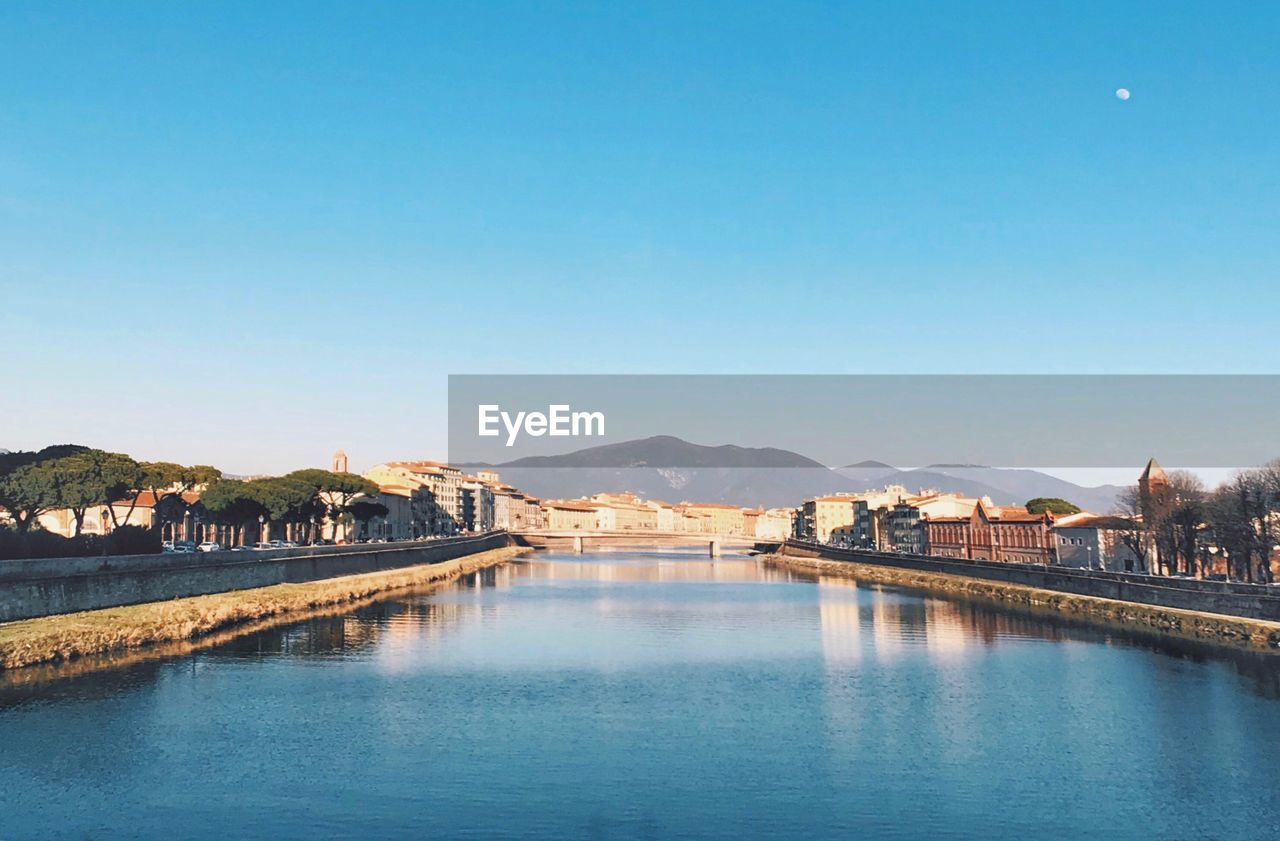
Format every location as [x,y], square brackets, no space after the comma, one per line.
[835,420]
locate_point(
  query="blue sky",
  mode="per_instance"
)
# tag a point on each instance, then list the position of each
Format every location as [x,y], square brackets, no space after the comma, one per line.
[251,233]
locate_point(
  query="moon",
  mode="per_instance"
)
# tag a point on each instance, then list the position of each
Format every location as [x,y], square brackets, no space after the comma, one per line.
[1122,94]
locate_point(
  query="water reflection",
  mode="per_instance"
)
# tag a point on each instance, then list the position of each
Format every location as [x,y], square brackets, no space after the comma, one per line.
[725,697]
[951,629]
[855,619]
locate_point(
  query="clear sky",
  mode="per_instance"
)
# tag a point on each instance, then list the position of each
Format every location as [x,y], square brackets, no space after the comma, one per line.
[249,233]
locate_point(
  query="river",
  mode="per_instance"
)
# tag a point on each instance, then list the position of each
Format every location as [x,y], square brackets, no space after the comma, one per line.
[659,695]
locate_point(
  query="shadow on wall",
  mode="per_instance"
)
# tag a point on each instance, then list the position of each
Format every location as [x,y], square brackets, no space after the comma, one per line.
[126,540]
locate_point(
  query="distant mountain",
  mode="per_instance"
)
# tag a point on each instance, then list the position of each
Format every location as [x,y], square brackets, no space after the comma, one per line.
[669,468]
[1025,484]
[1005,486]
[749,486]
[672,469]
[669,451]
[914,480]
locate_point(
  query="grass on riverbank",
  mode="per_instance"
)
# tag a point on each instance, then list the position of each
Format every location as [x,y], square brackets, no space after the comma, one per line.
[69,636]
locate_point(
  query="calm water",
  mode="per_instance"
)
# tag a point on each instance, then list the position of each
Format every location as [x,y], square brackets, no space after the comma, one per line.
[652,696]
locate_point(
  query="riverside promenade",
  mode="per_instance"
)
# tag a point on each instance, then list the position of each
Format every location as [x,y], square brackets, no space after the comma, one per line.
[47,587]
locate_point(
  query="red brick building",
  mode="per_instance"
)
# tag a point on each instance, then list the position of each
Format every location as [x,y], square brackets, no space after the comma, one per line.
[993,533]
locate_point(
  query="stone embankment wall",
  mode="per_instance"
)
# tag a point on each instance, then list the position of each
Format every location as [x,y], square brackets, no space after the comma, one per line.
[47,587]
[1254,601]
[1224,617]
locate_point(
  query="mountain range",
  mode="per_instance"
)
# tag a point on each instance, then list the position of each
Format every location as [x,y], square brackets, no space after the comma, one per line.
[669,468]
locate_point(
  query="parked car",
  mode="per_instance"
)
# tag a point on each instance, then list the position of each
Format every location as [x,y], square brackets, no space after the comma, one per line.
[210,546]
[263,546]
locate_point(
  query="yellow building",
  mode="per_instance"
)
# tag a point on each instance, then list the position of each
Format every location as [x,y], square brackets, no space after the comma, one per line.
[561,515]
[823,514]
[722,519]
[775,524]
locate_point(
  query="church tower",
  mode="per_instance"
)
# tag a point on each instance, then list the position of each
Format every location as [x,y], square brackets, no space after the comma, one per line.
[340,462]
[1152,478]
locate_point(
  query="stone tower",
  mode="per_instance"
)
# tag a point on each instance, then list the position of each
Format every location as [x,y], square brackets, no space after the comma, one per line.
[340,462]
[1152,478]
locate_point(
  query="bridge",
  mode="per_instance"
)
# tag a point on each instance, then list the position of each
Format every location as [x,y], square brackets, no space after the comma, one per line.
[579,541]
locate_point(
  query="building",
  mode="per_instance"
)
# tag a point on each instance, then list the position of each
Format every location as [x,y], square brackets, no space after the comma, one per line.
[717,518]
[476,505]
[691,521]
[403,520]
[624,512]
[565,515]
[1089,541]
[775,524]
[182,521]
[903,530]
[822,514]
[1007,534]
[665,514]
[442,482]
[340,462]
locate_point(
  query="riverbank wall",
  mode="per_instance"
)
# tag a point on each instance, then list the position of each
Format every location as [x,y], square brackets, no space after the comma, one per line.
[71,636]
[1252,601]
[48,587]
[1234,631]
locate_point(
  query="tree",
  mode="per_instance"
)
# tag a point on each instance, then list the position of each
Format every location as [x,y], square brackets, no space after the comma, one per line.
[364,510]
[31,482]
[1227,511]
[89,478]
[1053,505]
[165,479]
[288,499]
[1132,532]
[233,503]
[336,491]
[1186,513]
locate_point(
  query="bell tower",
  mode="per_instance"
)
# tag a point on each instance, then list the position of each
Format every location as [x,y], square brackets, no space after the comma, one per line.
[340,462]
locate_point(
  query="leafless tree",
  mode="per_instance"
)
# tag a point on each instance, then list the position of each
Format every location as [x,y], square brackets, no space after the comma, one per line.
[1185,513]
[1133,533]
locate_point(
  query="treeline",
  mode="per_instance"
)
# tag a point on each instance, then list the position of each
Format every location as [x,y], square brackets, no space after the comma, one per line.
[83,481]
[1178,526]
[300,500]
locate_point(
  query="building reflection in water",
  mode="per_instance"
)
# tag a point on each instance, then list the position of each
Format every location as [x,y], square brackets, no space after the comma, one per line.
[893,621]
[856,622]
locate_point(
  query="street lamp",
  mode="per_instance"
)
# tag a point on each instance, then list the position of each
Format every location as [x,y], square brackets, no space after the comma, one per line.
[262,525]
